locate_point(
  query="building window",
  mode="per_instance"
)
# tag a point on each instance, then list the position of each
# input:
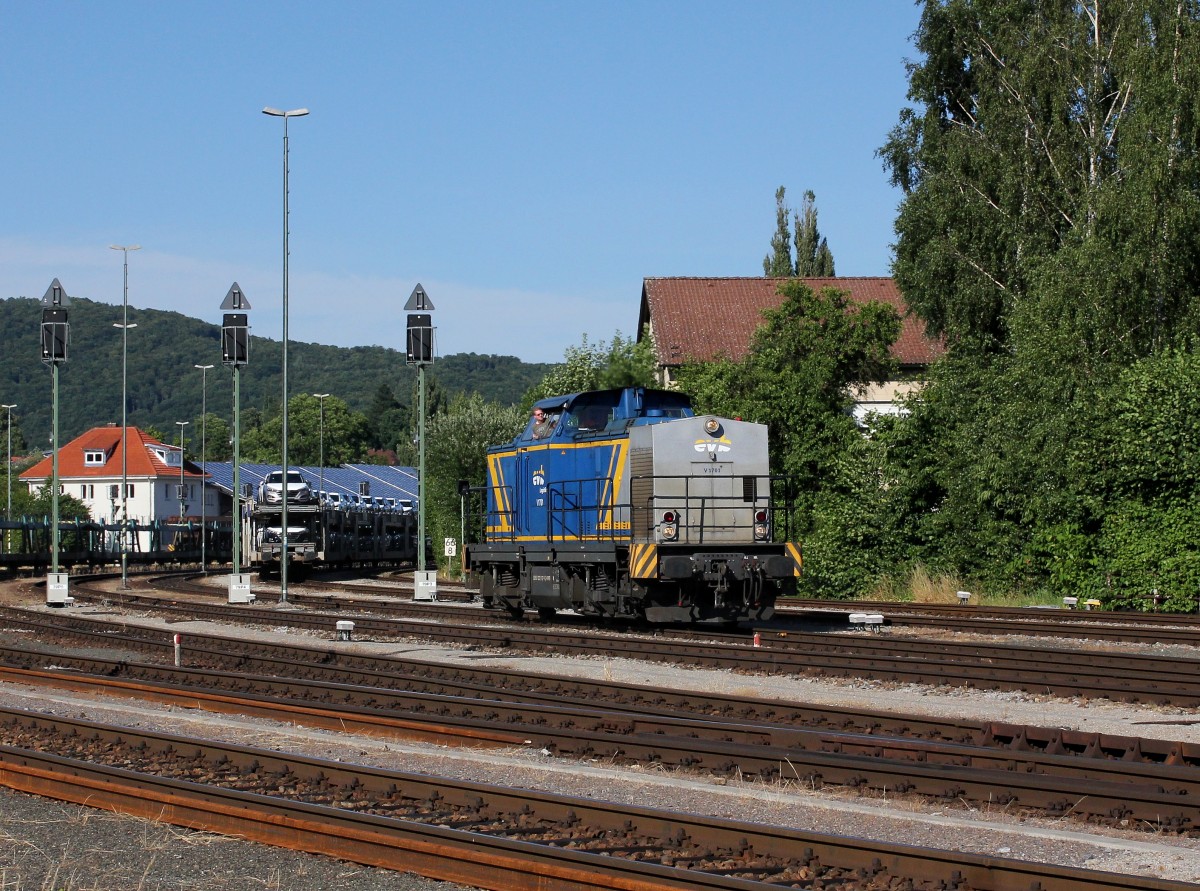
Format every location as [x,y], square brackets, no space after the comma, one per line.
[129,493]
[87,490]
[93,457]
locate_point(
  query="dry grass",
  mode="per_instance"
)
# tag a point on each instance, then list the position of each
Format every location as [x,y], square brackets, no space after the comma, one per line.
[94,850]
[920,586]
[937,588]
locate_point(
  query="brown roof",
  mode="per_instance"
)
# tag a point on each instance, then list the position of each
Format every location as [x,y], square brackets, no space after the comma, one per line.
[703,318]
[142,462]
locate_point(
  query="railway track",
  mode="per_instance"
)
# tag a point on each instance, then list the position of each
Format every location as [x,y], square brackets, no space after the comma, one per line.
[394,597]
[1129,781]
[1085,674]
[979,611]
[1123,627]
[591,693]
[800,615]
[1143,628]
[492,837]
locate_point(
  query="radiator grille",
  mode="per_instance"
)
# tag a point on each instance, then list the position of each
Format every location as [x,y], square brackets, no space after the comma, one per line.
[641,492]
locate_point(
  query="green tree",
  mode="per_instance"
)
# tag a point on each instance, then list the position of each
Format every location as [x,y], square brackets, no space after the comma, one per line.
[19,445]
[388,417]
[778,261]
[211,439]
[1049,230]
[1049,172]
[437,400]
[154,433]
[629,363]
[622,363]
[813,257]
[799,379]
[458,441]
[39,504]
[1142,472]
[346,434]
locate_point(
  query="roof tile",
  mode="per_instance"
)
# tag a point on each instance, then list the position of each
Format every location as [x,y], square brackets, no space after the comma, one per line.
[703,318]
[142,461]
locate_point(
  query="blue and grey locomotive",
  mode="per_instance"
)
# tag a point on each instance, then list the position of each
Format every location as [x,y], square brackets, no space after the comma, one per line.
[626,504]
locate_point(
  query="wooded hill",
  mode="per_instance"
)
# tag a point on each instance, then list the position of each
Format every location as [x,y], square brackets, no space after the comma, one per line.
[164,386]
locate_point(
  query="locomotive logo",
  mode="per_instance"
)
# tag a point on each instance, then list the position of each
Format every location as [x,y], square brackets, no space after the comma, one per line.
[539,485]
[713,445]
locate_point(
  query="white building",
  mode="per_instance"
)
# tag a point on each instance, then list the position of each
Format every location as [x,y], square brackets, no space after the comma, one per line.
[89,469]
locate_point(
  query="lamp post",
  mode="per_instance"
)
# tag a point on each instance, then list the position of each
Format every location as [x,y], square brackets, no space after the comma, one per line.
[182,503]
[203,460]
[125,326]
[8,510]
[283,562]
[321,397]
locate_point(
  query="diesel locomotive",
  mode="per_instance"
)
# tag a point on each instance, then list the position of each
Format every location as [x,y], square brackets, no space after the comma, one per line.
[625,503]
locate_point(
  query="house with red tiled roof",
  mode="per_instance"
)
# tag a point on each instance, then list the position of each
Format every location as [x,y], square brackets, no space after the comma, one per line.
[89,468]
[701,319]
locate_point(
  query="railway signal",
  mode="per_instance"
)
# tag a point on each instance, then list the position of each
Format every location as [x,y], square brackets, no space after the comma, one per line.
[420,353]
[56,334]
[235,352]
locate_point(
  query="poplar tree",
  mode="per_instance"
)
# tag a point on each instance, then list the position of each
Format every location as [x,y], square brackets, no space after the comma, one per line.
[778,262]
[813,257]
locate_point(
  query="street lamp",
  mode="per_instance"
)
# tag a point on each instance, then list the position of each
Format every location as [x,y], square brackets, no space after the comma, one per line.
[8,510]
[283,563]
[182,504]
[203,458]
[125,326]
[321,397]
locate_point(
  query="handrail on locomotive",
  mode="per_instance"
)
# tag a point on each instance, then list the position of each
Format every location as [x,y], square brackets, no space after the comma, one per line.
[501,525]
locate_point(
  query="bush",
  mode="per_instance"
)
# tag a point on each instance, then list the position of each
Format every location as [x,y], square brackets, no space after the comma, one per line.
[1144,549]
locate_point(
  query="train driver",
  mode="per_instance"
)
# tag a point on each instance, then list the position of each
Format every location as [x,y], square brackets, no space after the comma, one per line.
[543,424]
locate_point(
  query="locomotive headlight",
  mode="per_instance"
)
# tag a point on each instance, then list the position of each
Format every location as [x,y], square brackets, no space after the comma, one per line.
[761,529]
[669,528]
[712,426]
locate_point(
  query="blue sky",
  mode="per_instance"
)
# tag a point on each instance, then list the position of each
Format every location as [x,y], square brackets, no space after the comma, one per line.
[529,163]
